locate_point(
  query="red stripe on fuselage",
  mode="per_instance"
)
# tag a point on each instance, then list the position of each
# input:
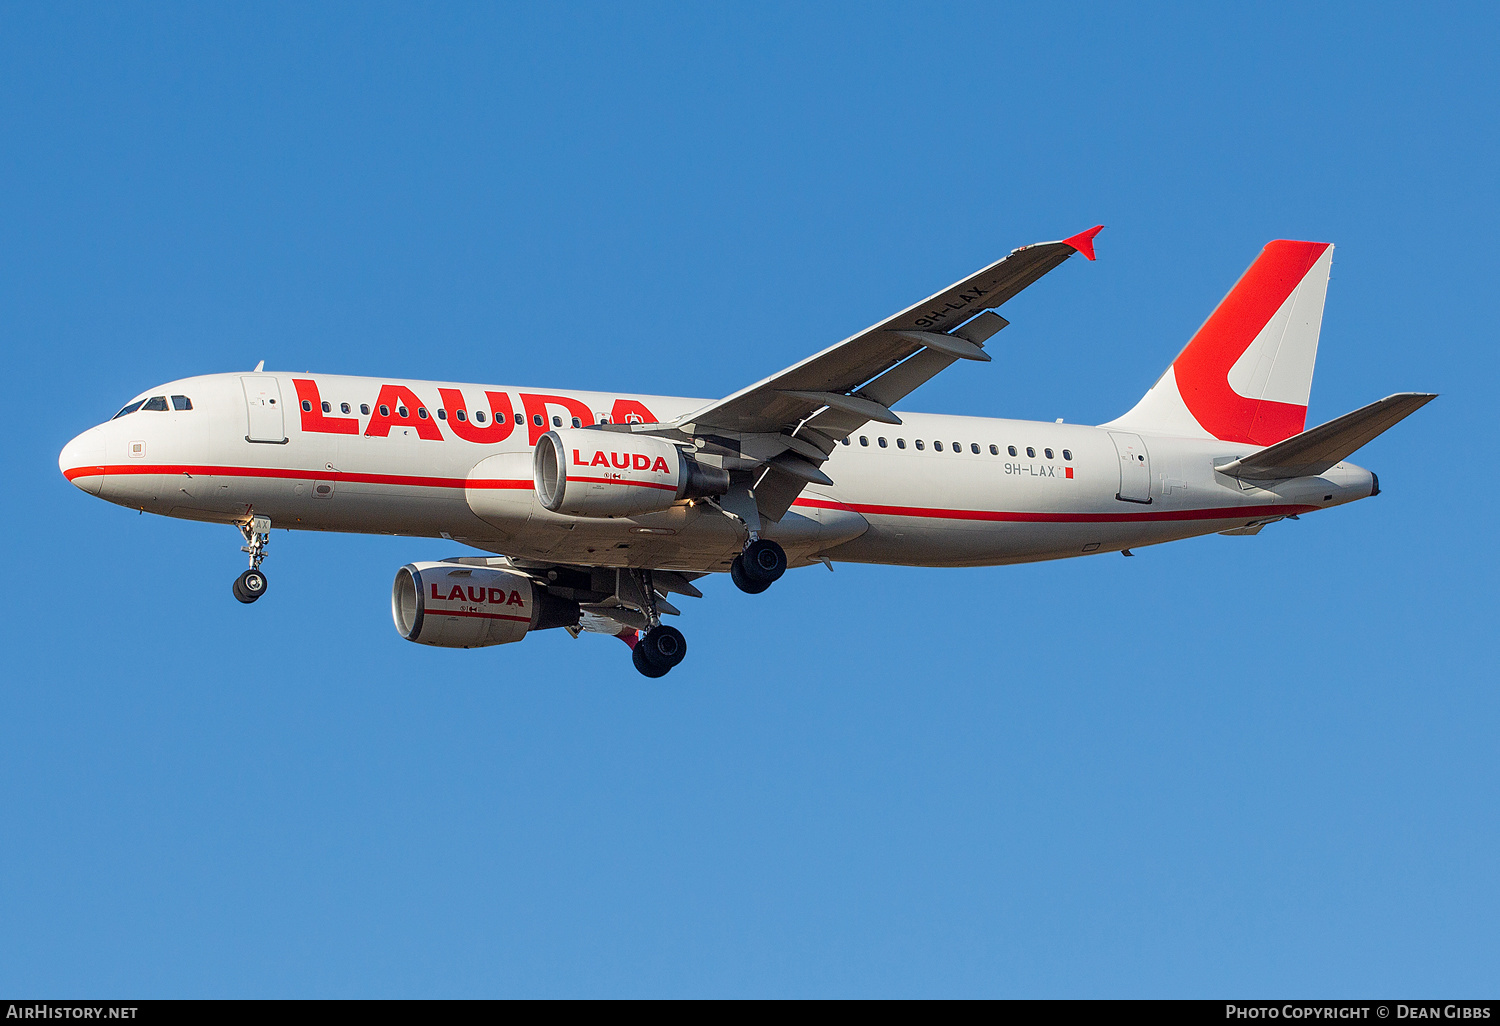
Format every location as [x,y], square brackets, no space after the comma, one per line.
[1221,513]
[924,512]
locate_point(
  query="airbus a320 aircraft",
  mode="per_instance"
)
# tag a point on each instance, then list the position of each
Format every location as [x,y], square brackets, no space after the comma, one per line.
[595,507]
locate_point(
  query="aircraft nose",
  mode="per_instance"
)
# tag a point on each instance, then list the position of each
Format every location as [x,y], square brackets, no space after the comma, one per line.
[82,460]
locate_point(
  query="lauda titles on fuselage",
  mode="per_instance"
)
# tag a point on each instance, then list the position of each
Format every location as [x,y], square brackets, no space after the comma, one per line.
[589,511]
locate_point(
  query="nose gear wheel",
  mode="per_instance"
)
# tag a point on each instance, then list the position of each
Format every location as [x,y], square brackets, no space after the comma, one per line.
[249,586]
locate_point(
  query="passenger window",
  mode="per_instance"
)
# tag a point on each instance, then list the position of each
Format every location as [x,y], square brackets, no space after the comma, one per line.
[863,440]
[479,416]
[577,422]
[974,448]
[422,412]
[520,419]
[306,406]
[958,447]
[327,406]
[1048,452]
[937,446]
[1067,456]
[882,442]
[604,418]
[920,444]
[364,409]
[385,411]
[401,412]
[557,422]
[461,415]
[129,409]
[994,450]
[442,414]
[1011,449]
[343,407]
[845,441]
[536,418]
[181,402]
[901,443]
[1030,453]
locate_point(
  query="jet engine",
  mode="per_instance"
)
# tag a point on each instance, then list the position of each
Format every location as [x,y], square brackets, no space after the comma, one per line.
[592,473]
[457,606]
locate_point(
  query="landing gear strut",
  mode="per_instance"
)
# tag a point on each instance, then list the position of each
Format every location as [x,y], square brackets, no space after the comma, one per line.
[251,584]
[758,567]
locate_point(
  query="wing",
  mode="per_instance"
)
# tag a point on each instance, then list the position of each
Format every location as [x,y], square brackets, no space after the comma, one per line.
[774,435]
[856,380]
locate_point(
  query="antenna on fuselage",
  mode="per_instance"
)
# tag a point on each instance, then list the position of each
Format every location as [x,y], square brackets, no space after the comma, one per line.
[260,366]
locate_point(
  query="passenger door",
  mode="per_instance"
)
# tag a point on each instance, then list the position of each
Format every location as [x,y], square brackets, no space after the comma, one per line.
[263,404]
[1135,467]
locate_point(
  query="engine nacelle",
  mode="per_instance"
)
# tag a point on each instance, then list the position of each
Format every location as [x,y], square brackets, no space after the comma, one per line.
[453,605]
[591,473]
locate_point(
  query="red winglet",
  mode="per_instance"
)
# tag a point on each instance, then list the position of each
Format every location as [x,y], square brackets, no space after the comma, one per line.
[1084,241]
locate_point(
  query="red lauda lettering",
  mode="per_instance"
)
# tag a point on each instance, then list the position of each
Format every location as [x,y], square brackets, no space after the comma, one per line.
[497,596]
[501,417]
[395,398]
[622,461]
[313,417]
[515,599]
[435,594]
[627,410]
[536,406]
[456,593]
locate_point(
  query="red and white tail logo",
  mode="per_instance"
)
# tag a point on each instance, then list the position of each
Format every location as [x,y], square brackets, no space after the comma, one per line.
[1247,374]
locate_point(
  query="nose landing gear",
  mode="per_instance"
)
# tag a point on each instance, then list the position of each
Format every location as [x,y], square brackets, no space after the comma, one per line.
[758,567]
[251,584]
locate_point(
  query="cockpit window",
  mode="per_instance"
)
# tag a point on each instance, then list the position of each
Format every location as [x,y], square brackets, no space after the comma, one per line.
[157,404]
[181,402]
[129,409]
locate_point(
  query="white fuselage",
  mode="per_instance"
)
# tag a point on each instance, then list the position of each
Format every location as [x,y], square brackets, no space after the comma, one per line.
[917,494]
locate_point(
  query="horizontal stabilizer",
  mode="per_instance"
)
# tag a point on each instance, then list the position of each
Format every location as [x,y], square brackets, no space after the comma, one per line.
[1315,450]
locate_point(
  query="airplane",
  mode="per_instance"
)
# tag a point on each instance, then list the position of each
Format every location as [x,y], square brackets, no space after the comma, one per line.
[589,509]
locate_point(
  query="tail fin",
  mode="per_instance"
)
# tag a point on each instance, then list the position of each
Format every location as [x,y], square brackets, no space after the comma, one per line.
[1247,374]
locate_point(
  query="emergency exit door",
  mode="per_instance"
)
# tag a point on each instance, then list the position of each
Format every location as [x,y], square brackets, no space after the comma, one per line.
[263,403]
[1135,467]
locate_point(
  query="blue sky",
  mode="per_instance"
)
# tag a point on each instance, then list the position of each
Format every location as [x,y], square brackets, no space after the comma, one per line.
[1231,766]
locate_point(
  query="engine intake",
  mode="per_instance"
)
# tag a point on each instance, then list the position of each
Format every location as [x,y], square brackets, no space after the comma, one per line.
[591,473]
[455,606]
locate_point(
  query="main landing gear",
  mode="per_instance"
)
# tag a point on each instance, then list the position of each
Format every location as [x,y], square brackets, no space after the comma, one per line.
[758,567]
[660,647]
[658,650]
[251,584]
